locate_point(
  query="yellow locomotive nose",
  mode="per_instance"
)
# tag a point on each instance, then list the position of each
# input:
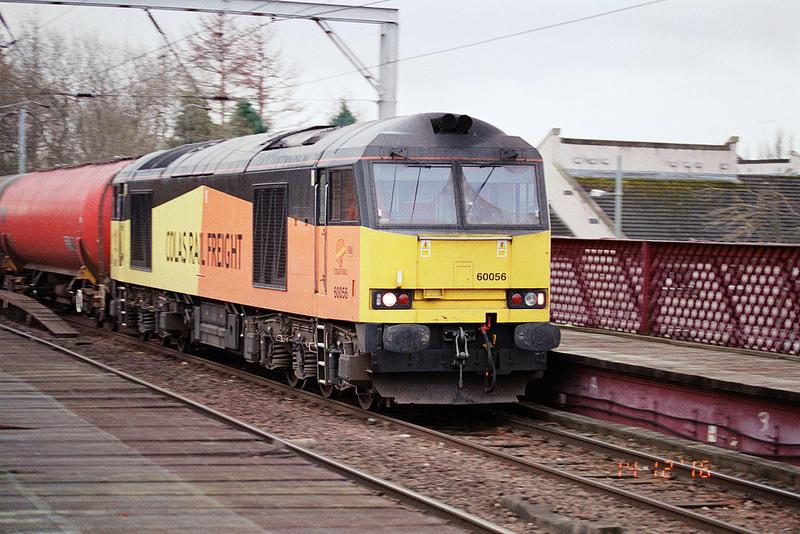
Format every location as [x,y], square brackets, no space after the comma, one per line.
[455,278]
[463,262]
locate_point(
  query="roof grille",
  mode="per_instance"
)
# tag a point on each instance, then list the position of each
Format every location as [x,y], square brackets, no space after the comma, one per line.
[305,137]
[163,160]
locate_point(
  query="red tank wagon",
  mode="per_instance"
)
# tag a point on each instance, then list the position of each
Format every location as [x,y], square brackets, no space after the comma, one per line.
[56,222]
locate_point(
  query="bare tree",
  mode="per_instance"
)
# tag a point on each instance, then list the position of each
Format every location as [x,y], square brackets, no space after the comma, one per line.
[756,214]
[214,53]
[779,147]
[137,105]
[264,76]
[131,114]
[240,62]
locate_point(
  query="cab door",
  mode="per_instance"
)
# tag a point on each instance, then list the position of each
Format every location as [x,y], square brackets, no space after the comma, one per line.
[321,235]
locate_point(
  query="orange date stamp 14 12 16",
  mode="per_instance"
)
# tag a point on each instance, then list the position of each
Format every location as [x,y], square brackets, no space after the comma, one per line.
[662,469]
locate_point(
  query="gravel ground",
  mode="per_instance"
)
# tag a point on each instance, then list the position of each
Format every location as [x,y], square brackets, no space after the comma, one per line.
[466,480]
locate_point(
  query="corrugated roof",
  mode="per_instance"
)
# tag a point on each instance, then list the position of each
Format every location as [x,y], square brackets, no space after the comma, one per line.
[557,226]
[762,209]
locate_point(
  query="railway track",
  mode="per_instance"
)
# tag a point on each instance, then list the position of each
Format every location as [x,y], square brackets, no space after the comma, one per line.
[528,421]
[662,502]
[454,515]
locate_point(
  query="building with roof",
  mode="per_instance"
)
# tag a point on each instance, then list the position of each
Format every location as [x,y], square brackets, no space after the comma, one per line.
[671,191]
[778,166]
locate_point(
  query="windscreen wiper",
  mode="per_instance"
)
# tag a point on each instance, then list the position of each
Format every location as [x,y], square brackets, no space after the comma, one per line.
[478,193]
[394,155]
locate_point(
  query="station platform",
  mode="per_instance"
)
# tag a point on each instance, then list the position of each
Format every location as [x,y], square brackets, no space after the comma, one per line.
[82,449]
[33,310]
[738,371]
[741,400]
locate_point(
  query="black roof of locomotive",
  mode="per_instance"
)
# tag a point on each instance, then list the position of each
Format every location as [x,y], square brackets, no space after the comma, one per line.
[413,136]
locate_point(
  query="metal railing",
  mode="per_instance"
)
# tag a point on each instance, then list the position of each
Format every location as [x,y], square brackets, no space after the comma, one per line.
[744,296]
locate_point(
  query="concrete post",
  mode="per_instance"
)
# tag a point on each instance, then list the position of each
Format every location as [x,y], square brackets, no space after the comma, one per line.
[23,142]
[387,97]
[618,200]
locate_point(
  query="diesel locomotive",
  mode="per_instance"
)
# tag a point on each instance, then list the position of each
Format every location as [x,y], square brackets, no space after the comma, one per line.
[406,258]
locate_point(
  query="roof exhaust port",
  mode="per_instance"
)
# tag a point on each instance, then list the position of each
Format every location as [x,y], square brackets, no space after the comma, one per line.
[449,123]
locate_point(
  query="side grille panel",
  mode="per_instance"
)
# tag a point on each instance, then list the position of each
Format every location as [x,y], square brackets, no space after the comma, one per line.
[269,236]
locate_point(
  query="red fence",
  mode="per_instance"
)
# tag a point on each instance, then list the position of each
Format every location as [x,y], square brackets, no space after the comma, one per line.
[745,296]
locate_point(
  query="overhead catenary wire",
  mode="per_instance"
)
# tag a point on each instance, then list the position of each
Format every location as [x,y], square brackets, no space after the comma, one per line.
[422,55]
[169,45]
[82,96]
[8,28]
[310,16]
[486,41]
[27,35]
[163,35]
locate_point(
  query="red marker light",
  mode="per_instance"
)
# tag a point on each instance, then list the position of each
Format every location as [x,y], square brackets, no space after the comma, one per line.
[516,299]
[402,299]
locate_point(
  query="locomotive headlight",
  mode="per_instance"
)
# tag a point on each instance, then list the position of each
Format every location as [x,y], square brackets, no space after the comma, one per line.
[530,299]
[389,300]
[392,299]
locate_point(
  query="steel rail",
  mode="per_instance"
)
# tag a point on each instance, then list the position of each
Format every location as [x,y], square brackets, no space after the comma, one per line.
[722,479]
[442,510]
[687,516]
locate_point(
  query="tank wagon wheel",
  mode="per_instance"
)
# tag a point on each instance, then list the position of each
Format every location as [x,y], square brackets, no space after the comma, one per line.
[369,400]
[165,341]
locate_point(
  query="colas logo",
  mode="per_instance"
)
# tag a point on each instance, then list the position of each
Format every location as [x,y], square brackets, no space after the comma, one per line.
[341,250]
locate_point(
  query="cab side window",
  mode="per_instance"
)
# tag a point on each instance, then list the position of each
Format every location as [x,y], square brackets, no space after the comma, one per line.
[343,199]
[116,206]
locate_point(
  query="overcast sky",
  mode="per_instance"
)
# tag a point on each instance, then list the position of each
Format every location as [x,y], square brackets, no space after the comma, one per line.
[694,71]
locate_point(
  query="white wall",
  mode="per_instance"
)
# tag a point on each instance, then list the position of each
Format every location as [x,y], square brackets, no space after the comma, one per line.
[649,159]
[567,199]
[792,167]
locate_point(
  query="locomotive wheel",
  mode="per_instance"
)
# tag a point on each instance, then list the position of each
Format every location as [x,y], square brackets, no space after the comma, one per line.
[292,379]
[99,318]
[369,400]
[144,336]
[166,341]
[329,392]
[184,345]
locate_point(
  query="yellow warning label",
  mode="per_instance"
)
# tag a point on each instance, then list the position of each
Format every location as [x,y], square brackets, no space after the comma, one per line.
[502,248]
[425,248]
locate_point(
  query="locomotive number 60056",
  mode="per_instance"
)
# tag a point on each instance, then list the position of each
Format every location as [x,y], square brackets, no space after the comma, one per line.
[491,277]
